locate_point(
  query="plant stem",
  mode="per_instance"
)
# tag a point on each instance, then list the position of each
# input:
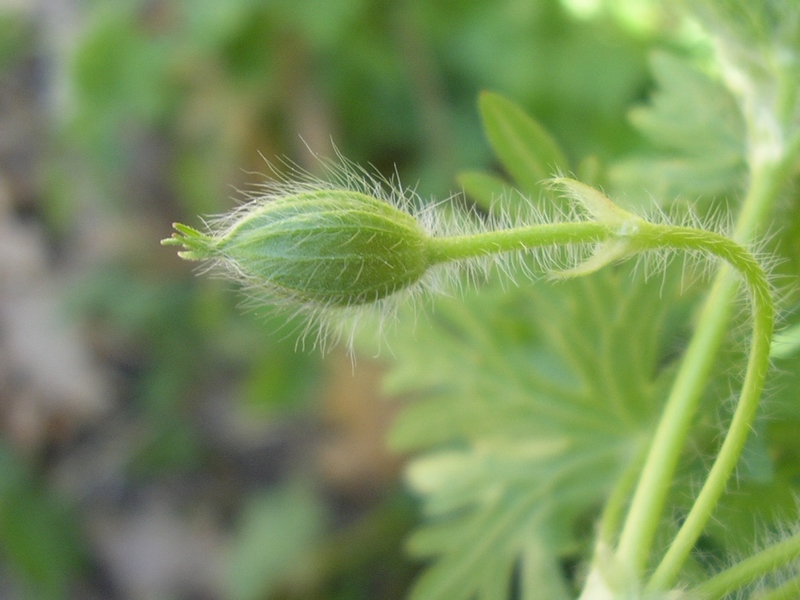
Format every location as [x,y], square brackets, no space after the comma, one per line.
[750,569]
[490,243]
[728,456]
[767,178]
[764,190]
[673,427]
[681,405]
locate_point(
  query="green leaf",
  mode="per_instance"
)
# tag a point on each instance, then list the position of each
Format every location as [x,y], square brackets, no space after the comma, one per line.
[752,24]
[533,400]
[668,177]
[525,149]
[767,506]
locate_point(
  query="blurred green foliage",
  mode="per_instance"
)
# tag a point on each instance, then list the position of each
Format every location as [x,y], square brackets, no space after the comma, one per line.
[39,531]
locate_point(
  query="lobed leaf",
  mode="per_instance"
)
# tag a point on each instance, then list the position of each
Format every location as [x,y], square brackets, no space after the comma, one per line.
[696,129]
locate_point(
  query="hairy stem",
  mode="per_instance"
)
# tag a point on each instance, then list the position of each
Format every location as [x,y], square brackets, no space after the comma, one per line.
[751,569]
[743,417]
[681,405]
[489,243]
[673,427]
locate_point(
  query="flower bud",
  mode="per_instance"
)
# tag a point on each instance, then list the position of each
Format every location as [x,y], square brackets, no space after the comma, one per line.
[325,247]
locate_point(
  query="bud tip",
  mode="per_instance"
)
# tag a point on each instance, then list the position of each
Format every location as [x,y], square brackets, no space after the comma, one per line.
[197,245]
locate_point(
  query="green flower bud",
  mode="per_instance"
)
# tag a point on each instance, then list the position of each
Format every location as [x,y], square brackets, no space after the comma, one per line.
[324,248]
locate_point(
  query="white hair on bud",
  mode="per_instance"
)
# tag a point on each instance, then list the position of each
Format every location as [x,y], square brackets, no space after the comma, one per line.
[325,324]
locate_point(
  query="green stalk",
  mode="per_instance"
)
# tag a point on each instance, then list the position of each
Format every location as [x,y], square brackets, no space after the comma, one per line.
[681,405]
[751,569]
[764,190]
[703,507]
[650,496]
[488,243]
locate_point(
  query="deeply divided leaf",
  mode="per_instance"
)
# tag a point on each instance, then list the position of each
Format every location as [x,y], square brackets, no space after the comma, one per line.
[696,131]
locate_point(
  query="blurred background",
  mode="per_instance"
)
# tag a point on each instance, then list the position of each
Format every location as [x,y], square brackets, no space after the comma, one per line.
[157,441]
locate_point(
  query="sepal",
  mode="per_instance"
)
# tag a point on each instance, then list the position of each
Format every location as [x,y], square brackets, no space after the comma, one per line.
[602,210]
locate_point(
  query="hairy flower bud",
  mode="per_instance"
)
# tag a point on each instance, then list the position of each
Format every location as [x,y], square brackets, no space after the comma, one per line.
[325,248]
